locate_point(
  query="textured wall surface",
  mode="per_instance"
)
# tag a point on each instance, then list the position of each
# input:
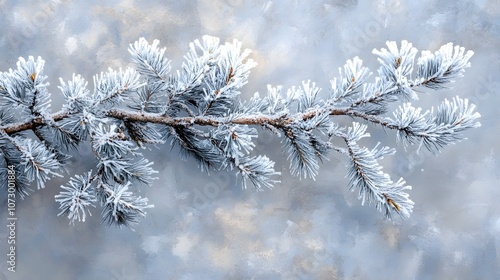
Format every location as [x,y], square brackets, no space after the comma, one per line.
[206,227]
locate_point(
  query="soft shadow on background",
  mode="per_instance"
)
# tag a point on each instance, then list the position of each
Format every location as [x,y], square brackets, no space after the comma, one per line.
[206,227]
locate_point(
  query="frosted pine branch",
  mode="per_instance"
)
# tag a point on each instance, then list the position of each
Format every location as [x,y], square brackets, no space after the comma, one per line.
[435,128]
[77,198]
[366,175]
[198,108]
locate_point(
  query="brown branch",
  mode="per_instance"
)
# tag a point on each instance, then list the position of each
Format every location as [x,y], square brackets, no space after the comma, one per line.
[276,121]
[372,119]
[262,120]
[32,124]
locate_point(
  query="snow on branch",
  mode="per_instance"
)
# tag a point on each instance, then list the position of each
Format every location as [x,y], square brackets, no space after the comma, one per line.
[301,154]
[198,109]
[127,170]
[396,66]
[258,170]
[37,162]
[435,128]
[77,197]
[10,156]
[437,70]
[113,86]
[76,94]
[396,60]
[19,86]
[350,80]
[121,207]
[366,175]
[150,60]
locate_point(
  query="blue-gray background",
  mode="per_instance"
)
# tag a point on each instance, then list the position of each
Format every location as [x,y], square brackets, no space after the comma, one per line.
[206,227]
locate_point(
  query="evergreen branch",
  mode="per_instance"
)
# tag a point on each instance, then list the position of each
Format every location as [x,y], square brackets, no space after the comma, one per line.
[39,163]
[302,155]
[77,198]
[365,174]
[202,150]
[120,206]
[112,85]
[234,143]
[259,170]
[12,157]
[435,128]
[198,108]
[150,60]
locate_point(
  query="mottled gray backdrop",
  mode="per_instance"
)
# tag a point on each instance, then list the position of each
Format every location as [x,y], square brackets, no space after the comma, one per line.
[206,227]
